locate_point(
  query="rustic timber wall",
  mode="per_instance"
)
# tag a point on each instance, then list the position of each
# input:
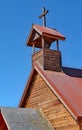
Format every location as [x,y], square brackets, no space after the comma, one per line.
[42,97]
[52,60]
[37,57]
[49,59]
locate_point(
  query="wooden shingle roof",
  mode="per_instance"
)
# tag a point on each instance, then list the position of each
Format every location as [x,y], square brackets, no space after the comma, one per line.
[66,85]
[24,119]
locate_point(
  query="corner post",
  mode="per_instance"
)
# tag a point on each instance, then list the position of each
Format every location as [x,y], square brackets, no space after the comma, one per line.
[33,48]
[57,43]
[43,42]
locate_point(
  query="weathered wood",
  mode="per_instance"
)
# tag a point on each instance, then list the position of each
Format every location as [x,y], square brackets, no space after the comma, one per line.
[44,12]
[49,59]
[2,124]
[41,96]
[37,57]
[52,60]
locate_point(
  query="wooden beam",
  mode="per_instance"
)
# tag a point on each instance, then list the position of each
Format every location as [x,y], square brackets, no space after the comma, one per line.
[57,43]
[43,42]
[43,15]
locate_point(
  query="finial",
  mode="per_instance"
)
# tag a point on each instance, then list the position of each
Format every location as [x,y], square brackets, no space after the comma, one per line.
[44,12]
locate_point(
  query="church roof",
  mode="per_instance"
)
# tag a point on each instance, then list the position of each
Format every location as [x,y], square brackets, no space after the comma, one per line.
[38,31]
[66,85]
[23,119]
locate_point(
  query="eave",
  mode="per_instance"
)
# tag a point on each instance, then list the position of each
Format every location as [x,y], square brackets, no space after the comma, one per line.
[66,80]
[37,32]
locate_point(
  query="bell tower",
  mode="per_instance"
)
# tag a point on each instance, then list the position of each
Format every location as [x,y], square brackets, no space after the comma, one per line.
[42,37]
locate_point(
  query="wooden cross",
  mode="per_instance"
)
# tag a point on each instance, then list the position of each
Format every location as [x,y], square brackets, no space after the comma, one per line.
[44,12]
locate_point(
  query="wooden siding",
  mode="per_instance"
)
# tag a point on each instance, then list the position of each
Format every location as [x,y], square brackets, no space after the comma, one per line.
[42,97]
[49,59]
[52,60]
[37,57]
[81,125]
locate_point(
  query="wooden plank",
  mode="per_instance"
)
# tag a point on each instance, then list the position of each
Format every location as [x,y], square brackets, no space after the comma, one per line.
[42,97]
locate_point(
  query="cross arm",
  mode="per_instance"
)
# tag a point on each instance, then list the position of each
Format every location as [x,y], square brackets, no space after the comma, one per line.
[44,13]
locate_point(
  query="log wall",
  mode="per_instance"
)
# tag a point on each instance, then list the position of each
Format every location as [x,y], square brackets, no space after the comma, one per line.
[42,97]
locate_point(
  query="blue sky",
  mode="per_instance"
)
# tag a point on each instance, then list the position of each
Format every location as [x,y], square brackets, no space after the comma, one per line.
[16,18]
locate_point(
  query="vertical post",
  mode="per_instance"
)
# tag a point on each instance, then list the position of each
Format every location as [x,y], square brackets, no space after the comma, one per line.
[43,52]
[57,45]
[44,18]
[33,48]
[43,42]
[43,15]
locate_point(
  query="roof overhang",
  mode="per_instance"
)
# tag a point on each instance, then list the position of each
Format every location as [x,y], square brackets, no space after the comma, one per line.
[37,32]
[23,118]
[75,112]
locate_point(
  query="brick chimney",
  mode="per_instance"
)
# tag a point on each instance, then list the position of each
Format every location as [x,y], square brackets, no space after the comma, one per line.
[42,37]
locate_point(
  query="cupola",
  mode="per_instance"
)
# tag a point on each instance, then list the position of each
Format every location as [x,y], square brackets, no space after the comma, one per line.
[42,37]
